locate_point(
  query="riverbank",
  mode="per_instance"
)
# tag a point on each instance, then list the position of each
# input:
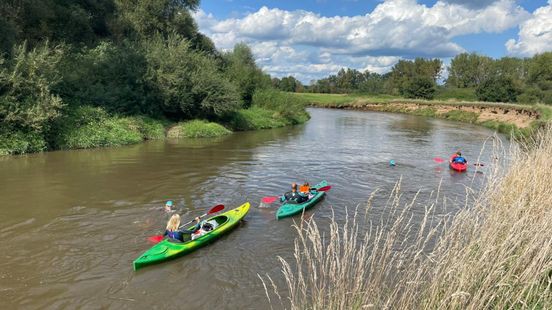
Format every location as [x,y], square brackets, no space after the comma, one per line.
[510,119]
[85,127]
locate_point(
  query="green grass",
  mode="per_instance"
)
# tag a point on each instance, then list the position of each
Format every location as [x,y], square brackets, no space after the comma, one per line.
[257,118]
[197,129]
[455,94]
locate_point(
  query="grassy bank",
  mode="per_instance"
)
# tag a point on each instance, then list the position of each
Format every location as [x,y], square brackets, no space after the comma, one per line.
[510,119]
[495,253]
[85,127]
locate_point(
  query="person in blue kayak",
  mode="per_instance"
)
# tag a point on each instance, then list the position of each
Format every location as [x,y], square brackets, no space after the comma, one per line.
[457,158]
[173,230]
[294,195]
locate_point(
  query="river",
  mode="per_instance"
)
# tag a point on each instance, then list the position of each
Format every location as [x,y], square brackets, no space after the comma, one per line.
[72,222]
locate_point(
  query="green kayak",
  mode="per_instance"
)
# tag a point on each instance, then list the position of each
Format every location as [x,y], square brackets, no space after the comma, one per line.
[167,249]
[289,209]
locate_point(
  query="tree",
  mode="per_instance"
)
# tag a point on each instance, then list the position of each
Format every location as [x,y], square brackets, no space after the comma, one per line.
[240,67]
[497,89]
[469,70]
[26,99]
[189,82]
[422,87]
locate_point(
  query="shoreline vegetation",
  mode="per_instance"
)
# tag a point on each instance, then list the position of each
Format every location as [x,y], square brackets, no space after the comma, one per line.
[515,120]
[493,252]
[117,73]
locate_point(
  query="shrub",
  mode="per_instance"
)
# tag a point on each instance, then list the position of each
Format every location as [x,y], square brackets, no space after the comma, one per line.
[418,87]
[197,129]
[287,105]
[497,89]
[89,127]
[26,100]
[19,142]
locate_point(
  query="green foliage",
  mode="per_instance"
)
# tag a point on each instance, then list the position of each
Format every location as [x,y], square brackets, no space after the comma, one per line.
[257,118]
[26,99]
[287,105]
[89,127]
[422,87]
[197,129]
[453,93]
[109,76]
[57,21]
[189,82]
[288,84]
[497,89]
[240,67]
[20,142]
[469,70]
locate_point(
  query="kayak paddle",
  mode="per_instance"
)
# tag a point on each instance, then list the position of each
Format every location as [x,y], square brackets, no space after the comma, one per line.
[215,209]
[324,188]
[479,164]
[158,238]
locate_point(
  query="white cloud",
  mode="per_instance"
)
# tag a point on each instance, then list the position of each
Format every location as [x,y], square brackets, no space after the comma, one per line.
[535,34]
[302,40]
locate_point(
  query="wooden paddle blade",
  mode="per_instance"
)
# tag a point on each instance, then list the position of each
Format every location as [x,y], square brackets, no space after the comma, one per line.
[438,160]
[216,209]
[269,200]
[155,239]
[325,188]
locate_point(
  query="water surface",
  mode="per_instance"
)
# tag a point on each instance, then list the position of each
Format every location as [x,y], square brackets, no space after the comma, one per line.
[72,222]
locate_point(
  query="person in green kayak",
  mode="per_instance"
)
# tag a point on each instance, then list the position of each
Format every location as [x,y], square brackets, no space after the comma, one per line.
[294,195]
[173,230]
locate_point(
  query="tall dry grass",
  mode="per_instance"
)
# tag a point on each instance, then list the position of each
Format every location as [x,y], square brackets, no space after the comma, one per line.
[495,253]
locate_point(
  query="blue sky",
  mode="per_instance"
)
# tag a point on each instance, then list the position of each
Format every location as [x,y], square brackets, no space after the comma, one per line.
[311,39]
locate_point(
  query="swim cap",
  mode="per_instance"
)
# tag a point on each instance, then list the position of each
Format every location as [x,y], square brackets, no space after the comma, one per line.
[391,162]
[169,203]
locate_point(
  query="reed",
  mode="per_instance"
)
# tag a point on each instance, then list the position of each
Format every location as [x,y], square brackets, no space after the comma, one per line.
[494,252]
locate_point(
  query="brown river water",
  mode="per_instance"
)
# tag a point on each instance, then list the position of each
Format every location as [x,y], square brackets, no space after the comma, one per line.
[72,222]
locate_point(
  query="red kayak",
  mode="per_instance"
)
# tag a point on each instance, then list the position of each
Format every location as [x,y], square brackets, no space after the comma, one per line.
[460,167]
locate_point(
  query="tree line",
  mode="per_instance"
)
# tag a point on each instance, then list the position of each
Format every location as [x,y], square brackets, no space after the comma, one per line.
[125,57]
[470,76]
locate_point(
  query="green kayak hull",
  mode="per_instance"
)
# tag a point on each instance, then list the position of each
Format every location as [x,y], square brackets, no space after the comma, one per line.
[167,250]
[290,209]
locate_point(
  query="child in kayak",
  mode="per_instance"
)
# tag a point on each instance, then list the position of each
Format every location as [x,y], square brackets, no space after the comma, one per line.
[457,158]
[294,195]
[173,230]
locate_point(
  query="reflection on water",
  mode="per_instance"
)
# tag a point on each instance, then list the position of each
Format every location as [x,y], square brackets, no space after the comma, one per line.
[73,221]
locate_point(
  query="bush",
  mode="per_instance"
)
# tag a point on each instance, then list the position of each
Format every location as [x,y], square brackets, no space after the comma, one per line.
[287,105]
[530,95]
[26,100]
[497,89]
[89,127]
[419,87]
[197,129]
[19,142]
[109,76]
[257,118]
[189,84]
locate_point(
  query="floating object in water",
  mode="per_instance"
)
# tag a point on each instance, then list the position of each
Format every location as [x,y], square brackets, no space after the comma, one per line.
[392,163]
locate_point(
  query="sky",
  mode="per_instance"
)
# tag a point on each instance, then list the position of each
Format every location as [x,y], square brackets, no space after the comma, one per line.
[311,39]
